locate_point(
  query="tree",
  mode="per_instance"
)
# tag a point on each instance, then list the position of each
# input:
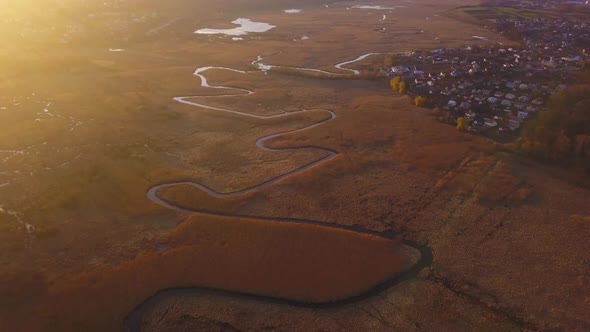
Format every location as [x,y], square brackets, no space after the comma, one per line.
[388,62]
[402,88]
[562,147]
[394,83]
[420,101]
[555,134]
[461,124]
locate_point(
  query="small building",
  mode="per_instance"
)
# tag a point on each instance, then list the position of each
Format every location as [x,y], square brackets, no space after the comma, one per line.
[465,105]
[513,125]
[523,99]
[490,123]
[400,70]
[572,59]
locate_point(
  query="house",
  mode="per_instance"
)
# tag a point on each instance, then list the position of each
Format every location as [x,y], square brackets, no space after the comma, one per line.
[572,59]
[549,63]
[400,70]
[513,125]
[490,123]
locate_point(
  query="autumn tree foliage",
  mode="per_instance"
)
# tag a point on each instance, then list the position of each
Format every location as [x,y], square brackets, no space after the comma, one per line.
[397,85]
[394,83]
[461,124]
[420,101]
[562,132]
[402,88]
[388,61]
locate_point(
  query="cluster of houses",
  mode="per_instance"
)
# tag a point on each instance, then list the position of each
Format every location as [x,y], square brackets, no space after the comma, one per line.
[558,38]
[497,88]
[491,88]
[543,4]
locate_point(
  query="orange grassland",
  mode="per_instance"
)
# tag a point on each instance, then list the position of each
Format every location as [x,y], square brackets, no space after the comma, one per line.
[300,262]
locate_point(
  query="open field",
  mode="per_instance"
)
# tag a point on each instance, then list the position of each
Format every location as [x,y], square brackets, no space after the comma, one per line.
[85,132]
[303,263]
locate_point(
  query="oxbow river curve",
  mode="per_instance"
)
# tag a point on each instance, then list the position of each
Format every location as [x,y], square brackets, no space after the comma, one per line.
[152,193]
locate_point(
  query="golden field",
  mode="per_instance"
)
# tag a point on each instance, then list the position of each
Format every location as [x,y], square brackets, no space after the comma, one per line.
[508,237]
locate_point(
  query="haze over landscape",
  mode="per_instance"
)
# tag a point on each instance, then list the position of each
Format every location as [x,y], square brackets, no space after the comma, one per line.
[354,165]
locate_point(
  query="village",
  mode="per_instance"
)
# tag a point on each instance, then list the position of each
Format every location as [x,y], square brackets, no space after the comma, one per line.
[545,4]
[495,89]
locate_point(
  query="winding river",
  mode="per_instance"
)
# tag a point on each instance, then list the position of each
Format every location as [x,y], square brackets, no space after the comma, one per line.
[133,321]
[152,193]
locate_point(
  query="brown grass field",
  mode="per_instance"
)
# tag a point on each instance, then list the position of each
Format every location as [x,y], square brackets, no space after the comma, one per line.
[508,237]
[304,263]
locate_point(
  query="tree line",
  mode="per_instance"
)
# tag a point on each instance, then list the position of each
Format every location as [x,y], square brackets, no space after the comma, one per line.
[561,132]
